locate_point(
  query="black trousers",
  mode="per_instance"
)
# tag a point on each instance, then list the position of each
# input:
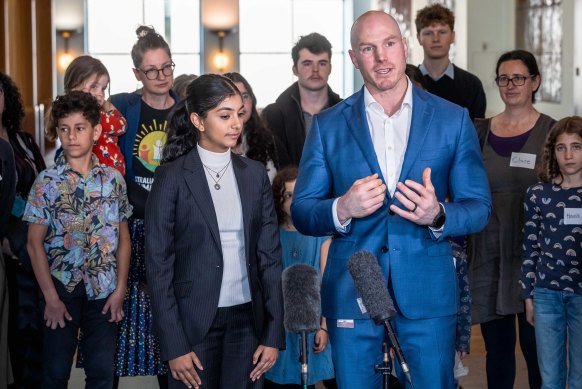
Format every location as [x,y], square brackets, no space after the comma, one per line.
[98,342]
[226,353]
[500,338]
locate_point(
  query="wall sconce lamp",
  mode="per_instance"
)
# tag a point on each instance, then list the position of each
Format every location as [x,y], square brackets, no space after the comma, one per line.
[220,59]
[65,58]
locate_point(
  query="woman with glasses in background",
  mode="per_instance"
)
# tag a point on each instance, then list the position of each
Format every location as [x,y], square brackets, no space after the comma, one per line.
[511,144]
[145,111]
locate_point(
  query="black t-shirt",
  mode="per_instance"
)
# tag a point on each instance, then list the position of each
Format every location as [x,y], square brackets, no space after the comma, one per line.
[147,154]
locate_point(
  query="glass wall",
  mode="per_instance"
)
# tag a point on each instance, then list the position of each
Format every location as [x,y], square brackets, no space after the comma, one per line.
[111,34]
[268,30]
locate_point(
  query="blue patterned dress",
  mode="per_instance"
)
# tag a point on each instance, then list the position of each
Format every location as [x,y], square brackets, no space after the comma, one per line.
[138,351]
[137,348]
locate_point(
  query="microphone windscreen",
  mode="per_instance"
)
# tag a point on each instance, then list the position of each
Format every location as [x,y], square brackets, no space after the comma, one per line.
[301,298]
[371,285]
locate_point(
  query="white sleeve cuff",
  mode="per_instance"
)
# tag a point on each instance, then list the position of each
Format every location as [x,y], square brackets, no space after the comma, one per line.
[339,226]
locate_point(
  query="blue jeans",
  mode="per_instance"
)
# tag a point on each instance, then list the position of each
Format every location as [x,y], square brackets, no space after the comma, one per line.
[558,319]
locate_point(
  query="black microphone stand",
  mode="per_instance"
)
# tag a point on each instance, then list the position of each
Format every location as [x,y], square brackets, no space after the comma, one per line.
[386,368]
[303,350]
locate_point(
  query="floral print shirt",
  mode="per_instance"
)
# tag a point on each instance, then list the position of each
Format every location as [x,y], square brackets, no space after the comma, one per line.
[83,216]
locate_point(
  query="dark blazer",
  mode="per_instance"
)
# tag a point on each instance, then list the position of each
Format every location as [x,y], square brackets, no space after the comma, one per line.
[184,261]
[7,184]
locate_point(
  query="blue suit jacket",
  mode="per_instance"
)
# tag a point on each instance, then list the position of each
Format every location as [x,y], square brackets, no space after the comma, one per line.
[339,151]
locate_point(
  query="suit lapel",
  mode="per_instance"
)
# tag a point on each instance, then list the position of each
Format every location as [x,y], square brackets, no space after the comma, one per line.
[422,114]
[358,125]
[197,183]
[244,184]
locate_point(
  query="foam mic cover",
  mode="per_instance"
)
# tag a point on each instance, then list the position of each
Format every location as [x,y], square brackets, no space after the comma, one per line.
[301,298]
[372,286]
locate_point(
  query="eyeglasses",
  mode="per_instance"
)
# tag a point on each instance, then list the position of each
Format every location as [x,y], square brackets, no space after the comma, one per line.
[152,74]
[515,80]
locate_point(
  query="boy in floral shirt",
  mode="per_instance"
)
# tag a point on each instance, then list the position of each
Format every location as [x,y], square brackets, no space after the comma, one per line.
[79,245]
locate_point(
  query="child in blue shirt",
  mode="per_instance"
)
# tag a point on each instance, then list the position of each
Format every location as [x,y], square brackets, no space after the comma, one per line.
[79,246]
[550,278]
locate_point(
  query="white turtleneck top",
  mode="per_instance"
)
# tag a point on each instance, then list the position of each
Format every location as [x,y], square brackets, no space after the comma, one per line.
[235,288]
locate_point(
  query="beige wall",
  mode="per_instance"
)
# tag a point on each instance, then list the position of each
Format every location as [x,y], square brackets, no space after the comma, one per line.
[492,31]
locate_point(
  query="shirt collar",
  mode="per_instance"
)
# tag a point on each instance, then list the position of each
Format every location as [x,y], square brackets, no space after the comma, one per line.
[372,104]
[449,72]
[63,166]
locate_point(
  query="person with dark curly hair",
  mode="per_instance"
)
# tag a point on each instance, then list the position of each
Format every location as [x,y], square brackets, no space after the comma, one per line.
[256,141]
[25,323]
[79,246]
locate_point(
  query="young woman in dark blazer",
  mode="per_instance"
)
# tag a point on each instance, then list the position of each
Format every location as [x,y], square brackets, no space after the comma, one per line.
[213,258]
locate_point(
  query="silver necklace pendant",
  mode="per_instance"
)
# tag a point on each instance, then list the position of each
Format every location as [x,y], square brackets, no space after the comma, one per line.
[217,186]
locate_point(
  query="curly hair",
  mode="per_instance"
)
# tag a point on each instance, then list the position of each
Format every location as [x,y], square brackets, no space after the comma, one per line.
[284,175]
[73,102]
[432,14]
[549,169]
[13,107]
[147,39]
[259,138]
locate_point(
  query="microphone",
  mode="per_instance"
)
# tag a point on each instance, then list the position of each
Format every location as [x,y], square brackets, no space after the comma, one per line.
[302,306]
[371,285]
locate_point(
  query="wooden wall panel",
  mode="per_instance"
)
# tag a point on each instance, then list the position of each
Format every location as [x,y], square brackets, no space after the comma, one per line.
[3,38]
[44,52]
[25,46]
[18,21]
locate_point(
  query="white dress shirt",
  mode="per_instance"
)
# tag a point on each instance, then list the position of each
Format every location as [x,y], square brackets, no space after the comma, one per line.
[390,137]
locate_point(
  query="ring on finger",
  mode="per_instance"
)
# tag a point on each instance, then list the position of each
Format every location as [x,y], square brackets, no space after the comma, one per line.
[414,209]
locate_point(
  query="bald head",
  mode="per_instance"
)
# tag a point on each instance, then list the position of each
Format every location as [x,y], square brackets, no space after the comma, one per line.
[368,20]
[379,52]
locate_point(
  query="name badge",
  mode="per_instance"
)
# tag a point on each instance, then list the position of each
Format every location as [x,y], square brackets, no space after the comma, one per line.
[572,215]
[345,323]
[523,160]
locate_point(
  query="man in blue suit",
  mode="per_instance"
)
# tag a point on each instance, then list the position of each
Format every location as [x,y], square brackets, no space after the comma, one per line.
[375,172]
